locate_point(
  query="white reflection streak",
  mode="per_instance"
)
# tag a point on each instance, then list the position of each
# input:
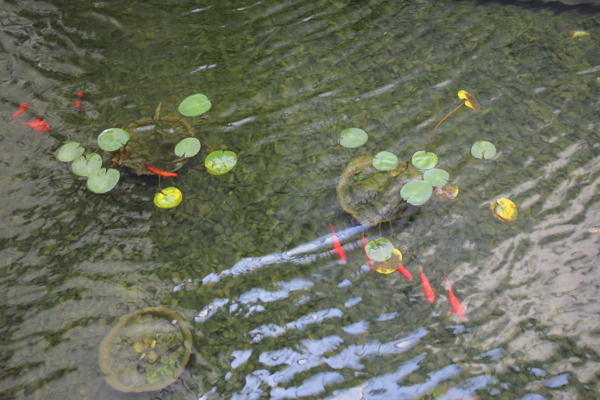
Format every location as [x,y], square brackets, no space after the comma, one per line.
[295,255]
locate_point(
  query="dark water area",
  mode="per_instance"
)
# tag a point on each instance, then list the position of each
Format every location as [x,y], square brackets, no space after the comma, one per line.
[247,260]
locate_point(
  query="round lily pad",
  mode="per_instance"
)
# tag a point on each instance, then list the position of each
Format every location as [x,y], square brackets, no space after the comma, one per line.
[505,210]
[87,165]
[169,197]
[194,105]
[385,161]
[113,139]
[437,177]
[416,192]
[103,180]
[353,137]
[483,150]
[389,266]
[188,147]
[380,250]
[424,160]
[69,152]
[219,162]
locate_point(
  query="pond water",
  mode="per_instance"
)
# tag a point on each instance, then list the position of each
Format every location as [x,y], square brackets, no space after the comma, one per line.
[247,260]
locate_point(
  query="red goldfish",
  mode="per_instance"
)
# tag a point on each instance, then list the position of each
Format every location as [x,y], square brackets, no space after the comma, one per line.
[404,272]
[429,295]
[160,172]
[22,109]
[364,241]
[457,308]
[37,125]
[77,102]
[337,246]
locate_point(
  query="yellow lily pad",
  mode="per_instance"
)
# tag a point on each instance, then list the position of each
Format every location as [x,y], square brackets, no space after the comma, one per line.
[389,266]
[505,210]
[170,197]
[575,34]
[470,100]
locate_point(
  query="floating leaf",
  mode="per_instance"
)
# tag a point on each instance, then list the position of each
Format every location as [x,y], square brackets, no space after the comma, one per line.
[416,192]
[437,177]
[194,105]
[103,180]
[470,100]
[424,160]
[446,192]
[389,266]
[505,210]
[87,165]
[169,197]
[113,139]
[353,137]
[385,161]
[219,162]
[188,147]
[70,152]
[380,250]
[578,34]
[483,150]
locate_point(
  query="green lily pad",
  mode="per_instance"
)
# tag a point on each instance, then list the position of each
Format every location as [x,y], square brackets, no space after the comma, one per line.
[69,152]
[437,177]
[385,161]
[188,147]
[416,192]
[113,139]
[194,105]
[87,165]
[170,197]
[219,162]
[483,150]
[380,250]
[424,160]
[103,180]
[353,137]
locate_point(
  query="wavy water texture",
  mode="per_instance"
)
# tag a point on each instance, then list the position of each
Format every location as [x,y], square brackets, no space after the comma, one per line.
[247,259]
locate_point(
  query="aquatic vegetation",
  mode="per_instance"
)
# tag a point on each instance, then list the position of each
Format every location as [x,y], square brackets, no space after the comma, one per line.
[146,350]
[168,198]
[159,145]
[369,188]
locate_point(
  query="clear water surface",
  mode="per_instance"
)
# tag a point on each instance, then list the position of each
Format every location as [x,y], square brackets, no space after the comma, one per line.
[247,259]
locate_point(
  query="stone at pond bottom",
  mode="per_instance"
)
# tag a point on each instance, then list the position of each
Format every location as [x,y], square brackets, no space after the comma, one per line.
[146,351]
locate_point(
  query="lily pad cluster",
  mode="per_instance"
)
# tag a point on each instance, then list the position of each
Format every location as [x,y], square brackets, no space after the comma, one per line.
[90,165]
[148,146]
[425,179]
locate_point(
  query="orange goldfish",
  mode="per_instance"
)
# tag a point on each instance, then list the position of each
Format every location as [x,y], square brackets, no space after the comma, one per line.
[429,295]
[22,109]
[160,172]
[404,272]
[37,125]
[457,308]
[364,241]
[337,246]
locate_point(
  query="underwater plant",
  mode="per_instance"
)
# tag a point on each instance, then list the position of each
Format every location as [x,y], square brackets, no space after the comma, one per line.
[377,184]
[150,146]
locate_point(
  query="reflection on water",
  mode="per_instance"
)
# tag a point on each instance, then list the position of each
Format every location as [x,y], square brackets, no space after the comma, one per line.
[247,258]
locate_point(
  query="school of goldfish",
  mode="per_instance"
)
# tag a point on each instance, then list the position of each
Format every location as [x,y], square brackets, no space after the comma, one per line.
[456,307]
[38,125]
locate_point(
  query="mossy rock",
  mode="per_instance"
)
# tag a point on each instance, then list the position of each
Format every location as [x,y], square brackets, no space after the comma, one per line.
[372,196]
[153,140]
[146,351]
